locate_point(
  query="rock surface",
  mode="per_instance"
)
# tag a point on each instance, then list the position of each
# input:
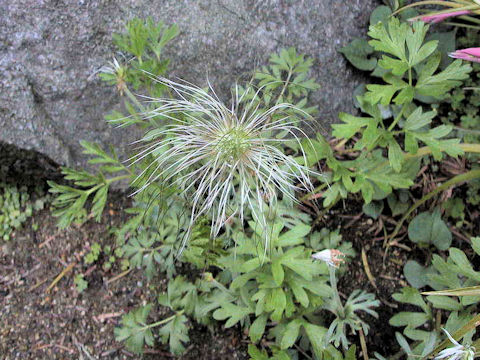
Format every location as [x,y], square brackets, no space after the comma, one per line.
[50,51]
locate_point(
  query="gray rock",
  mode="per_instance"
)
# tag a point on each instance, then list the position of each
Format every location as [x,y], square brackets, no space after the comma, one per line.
[50,51]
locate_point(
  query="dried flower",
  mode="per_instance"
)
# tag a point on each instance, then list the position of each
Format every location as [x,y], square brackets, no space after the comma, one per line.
[116,74]
[332,257]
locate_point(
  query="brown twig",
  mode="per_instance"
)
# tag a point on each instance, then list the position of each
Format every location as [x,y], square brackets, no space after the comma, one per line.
[363,344]
[103,317]
[38,284]
[366,267]
[60,276]
[119,276]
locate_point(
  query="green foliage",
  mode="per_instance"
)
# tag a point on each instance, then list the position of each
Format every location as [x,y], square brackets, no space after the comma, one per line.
[175,332]
[135,331]
[326,239]
[461,109]
[455,209]
[409,68]
[93,254]
[429,228]
[15,208]
[453,273]
[256,285]
[106,257]
[144,40]
[421,325]
[347,316]
[274,290]
[369,173]
[285,80]
[281,284]
[70,202]
[398,202]
[156,238]
[80,283]
[142,36]
[358,52]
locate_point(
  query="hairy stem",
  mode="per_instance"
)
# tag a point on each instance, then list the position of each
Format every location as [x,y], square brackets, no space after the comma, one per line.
[336,296]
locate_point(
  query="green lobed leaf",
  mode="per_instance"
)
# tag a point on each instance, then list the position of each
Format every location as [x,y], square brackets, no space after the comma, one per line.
[357,53]
[176,333]
[412,319]
[411,296]
[257,328]
[428,228]
[290,334]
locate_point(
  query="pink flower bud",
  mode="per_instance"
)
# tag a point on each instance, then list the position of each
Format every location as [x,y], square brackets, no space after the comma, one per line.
[436,18]
[470,54]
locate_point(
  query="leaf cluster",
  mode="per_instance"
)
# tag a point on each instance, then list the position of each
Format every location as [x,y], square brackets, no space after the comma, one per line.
[422,326]
[394,123]
[70,202]
[142,44]
[286,79]
[16,207]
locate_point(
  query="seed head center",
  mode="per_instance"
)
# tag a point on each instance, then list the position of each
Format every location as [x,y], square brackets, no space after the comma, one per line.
[233,144]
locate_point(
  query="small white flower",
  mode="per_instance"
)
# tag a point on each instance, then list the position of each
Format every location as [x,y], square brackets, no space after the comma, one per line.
[457,352]
[332,257]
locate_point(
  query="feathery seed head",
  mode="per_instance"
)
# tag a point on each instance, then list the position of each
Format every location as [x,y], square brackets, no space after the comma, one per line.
[456,352]
[224,159]
[233,144]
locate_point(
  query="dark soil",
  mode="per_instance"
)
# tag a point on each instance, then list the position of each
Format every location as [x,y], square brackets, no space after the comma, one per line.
[385,266]
[60,323]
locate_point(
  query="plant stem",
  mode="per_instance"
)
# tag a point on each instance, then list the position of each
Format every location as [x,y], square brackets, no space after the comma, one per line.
[468,148]
[134,99]
[318,188]
[336,296]
[470,131]
[470,175]
[117,178]
[399,116]
[429,2]
[452,23]
[284,86]
[139,105]
[457,335]
[161,322]
[471,19]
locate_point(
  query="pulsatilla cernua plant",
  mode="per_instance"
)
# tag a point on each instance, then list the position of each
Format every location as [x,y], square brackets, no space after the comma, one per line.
[224,159]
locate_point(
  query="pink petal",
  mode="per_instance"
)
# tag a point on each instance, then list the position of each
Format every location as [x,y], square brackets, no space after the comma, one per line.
[440,17]
[471,51]
[471,54]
